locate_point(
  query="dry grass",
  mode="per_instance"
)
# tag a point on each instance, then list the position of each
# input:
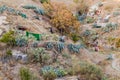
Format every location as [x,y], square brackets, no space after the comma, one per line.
[108,7]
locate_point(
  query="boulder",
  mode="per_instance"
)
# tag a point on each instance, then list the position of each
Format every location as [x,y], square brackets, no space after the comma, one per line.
[20,56]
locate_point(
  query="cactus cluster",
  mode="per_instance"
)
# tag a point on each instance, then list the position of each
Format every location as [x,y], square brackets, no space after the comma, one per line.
[74,48]
[59,72]
[35,8]
[60,46]
[12,10]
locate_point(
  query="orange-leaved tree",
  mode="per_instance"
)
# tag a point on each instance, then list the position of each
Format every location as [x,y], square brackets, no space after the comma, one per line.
[61,17]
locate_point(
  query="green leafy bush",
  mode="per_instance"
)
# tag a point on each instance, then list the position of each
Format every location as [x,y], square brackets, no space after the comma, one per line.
[44,1]
[25,74]
[9,52]
[21,41]
[91,72]
[75,37]
[8,38]
[41,56]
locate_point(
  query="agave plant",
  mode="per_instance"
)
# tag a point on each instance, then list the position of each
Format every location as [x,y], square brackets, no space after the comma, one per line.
[49,45]
[39,11]
[60,46]
[3,8]
[58,72]
[74,48]
[29,7]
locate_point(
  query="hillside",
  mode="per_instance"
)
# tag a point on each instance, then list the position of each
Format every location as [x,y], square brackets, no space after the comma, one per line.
[59,40]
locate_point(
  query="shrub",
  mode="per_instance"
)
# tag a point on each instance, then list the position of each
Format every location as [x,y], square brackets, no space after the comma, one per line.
[9,52]
[21,41]
[90,20]
[117,42]
[62,18]
[41,56]
[50,73]
[66,55]
[74,48]
[75,37]
[91,72]
[8,38]
[44,1]
[3,8]
[25,74]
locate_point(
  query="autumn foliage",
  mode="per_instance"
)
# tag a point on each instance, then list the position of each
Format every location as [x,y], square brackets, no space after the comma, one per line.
[61,17]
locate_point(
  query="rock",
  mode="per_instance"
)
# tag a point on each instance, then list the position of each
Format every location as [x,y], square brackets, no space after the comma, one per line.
[20,56]
[68,78]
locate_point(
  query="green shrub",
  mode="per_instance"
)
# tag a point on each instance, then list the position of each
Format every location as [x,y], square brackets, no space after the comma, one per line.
[3,8]
[43,1]
[75,37]
[91,72]
[25,74]
[50,73]
[41,56]
[66,55]
[8,38]
[9,52]
[90,20]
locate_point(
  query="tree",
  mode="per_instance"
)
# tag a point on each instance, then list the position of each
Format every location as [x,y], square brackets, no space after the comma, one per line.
[61,17]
